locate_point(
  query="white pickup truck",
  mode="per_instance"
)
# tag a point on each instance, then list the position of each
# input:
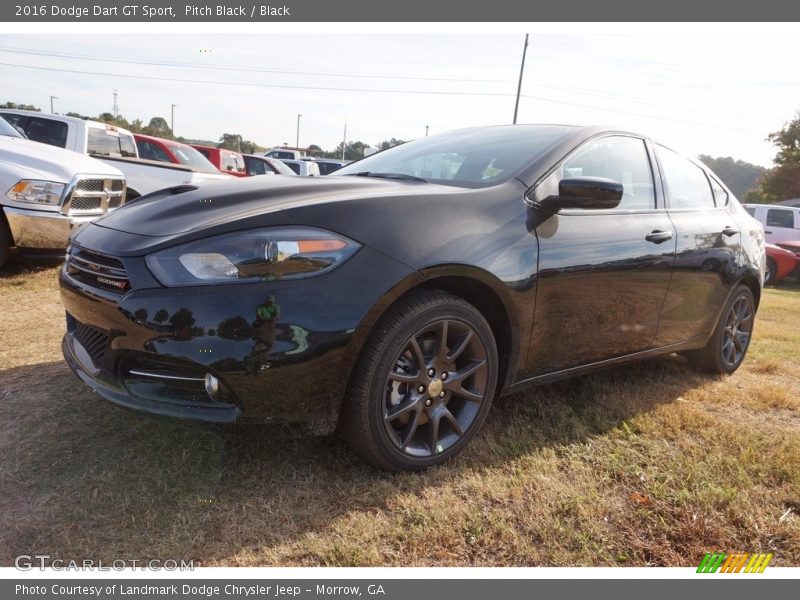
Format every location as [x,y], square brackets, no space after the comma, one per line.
[47,192]
[110,144]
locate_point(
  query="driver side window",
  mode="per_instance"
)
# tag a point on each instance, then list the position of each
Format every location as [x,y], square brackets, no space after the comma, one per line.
[621,158]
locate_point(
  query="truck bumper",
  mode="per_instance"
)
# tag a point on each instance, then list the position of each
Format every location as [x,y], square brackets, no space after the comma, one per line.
[41,229]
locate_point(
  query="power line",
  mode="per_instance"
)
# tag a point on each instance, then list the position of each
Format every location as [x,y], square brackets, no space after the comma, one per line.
[385,91]
[241,69]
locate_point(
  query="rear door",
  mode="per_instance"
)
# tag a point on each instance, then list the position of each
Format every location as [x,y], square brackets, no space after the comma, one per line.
[707,251]
[603,274]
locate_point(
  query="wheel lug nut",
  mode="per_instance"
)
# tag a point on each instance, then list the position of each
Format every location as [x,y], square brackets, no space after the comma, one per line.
[428,402]
[431,372]
[421,389]
[444,375]
[441,395]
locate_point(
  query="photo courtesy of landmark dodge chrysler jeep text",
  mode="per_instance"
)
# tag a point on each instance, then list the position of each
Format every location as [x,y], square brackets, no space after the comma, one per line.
[395,298]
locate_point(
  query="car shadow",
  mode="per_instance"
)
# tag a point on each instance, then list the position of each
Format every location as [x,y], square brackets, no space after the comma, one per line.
[82,478]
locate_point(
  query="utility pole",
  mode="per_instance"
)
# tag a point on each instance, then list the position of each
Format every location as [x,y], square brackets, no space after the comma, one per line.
[172,121]
[344,139]
[297,141]
[116,107]
[519,85]
[426,130]
[51,104]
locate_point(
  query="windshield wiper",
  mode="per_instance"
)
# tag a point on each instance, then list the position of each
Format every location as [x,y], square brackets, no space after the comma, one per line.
[401,176]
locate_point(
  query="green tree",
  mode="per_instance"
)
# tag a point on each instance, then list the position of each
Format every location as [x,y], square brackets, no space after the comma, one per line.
[783,181]
[386,144]
[21,106]
[352,151]
[158,127]
[234,141]
[740,176]
[119,120]
[314,150]
[77,115]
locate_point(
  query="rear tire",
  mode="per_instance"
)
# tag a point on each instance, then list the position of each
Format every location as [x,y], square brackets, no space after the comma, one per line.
[5,241]
[728,345]
[423,385]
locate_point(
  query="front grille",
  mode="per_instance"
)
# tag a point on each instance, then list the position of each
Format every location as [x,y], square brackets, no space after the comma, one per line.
[98,270]
[94,341]
[95,196]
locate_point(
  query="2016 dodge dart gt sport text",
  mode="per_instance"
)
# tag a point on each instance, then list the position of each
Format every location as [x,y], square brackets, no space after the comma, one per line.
[394,300]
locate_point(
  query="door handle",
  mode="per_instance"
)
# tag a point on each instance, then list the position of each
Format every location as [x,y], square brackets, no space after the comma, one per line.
[658,236]
[729,231]
[765,231]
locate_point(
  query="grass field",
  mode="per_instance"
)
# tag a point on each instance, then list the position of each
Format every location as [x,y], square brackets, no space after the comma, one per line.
[651,464]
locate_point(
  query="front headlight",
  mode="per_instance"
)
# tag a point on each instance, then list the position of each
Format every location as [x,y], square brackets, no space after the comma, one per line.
[37,191]
[253,255]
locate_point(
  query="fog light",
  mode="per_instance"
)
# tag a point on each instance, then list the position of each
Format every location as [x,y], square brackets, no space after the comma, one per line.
[212,385]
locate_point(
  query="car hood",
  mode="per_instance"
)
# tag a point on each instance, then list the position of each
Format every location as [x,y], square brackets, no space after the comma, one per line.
[187,209]
[42,161]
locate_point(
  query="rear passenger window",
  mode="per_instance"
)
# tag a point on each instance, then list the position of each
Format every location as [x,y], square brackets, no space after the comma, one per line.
[687,184]
[621,158]
[778,217]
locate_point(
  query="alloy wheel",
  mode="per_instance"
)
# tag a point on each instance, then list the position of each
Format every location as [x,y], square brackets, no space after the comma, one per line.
[738,328]
[435,388]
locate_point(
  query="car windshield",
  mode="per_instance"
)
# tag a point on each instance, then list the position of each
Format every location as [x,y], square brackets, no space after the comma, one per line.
[190,157]
[465,158]
[8,130]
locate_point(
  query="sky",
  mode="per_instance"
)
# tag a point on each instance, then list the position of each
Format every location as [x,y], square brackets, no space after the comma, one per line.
[698,91]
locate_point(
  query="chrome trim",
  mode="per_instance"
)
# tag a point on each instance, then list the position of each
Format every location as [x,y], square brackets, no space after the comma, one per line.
[96,268]
[105,195]
[42,229]
[157,376]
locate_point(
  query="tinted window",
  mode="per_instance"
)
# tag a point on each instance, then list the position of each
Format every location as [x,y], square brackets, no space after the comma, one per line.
[255,166]
[109,142]
[621,158]
[778,217]
[152,152]
[328,168]
[687,184]
[8,130]
[281,154]
[190,157]
[15,120]
[293,166]
[47,131]
[469,158]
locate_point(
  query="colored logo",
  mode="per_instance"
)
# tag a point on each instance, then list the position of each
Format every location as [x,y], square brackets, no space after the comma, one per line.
[720,562]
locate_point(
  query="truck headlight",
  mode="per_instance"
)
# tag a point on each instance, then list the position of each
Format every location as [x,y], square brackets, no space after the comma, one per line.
[37,191]
[255,255]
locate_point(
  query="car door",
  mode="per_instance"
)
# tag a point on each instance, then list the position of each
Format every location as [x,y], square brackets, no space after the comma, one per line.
[780,225]
[603,274]
[707,250]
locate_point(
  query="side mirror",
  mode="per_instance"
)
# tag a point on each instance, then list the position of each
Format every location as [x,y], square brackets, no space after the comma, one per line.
[585,193]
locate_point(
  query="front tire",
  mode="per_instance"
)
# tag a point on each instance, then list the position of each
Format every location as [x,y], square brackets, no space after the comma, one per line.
[727,348]
[772,269]
[423,385]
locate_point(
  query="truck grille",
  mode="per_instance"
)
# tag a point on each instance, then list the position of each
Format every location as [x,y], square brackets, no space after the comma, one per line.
[94,341]
[94,196]
[97,270]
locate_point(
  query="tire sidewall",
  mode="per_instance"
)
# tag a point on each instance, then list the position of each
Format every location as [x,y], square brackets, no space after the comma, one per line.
[721,364]
[395,341]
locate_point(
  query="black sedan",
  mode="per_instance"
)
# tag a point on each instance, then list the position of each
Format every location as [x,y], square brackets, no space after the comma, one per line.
[395,299]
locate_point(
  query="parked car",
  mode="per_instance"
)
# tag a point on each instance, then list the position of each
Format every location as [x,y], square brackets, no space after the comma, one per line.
[261,165]
[329,165]
[284,153]
[304,168]
[113,145]
[780,263]
[394,300]
[48,192]
[226,161]
[781,223]
[170,151]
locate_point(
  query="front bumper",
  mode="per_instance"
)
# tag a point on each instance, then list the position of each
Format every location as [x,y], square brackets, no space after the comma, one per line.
[150,348]
[39,229]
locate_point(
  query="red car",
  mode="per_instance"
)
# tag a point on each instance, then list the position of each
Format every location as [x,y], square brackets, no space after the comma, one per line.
[224,160]
[170,151]
[780,262]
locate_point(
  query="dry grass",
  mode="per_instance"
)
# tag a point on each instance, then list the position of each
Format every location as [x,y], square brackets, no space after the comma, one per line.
[650,464]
